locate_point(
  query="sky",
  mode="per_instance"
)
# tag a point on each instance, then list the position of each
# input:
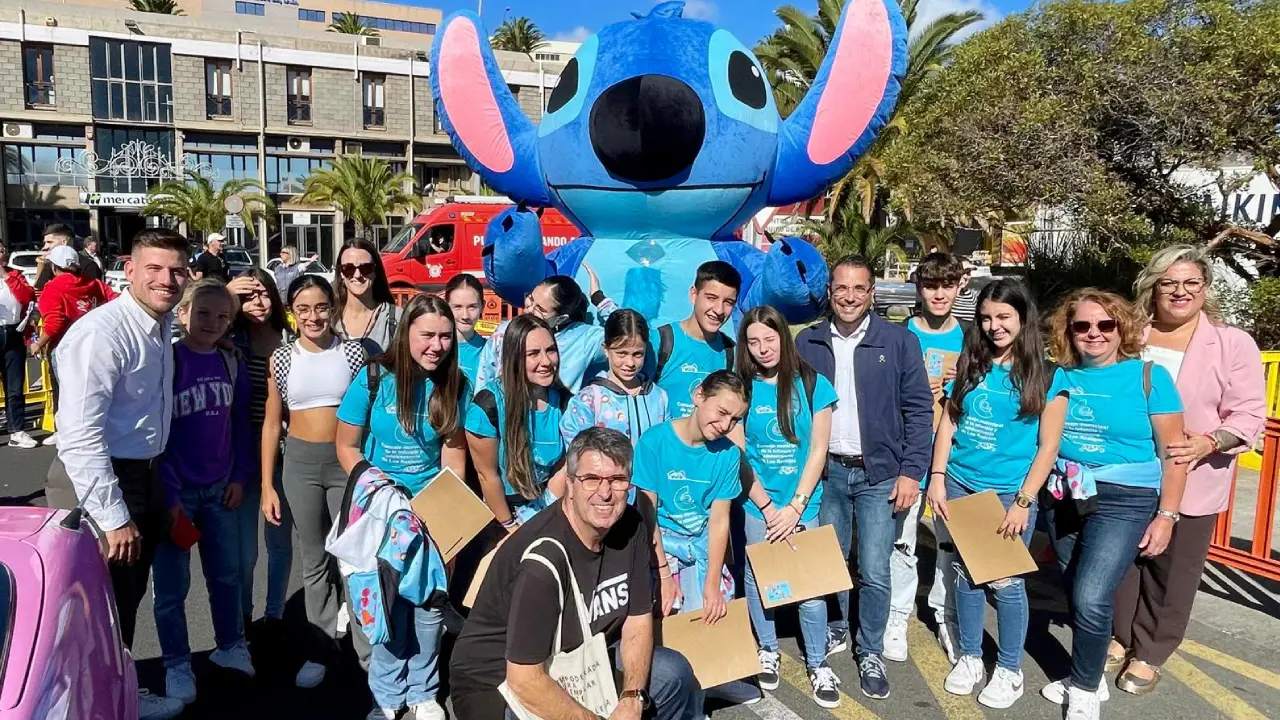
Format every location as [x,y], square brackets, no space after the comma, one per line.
[749,20]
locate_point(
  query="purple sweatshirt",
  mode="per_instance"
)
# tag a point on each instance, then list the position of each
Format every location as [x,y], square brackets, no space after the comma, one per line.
[211,439]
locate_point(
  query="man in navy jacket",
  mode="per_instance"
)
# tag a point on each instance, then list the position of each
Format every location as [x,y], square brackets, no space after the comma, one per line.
[881,438]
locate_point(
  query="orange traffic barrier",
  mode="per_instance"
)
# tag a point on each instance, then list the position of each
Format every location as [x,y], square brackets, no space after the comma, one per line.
[495,311]
[1258,558]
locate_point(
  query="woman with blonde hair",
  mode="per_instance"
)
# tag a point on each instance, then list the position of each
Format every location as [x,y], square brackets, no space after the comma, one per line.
[1224,409]
[1116,488]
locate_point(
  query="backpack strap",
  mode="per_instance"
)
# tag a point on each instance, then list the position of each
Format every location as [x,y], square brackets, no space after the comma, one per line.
[728,351]
[489,404]
[231,363]
[810,380]
[373,376]
[666,340]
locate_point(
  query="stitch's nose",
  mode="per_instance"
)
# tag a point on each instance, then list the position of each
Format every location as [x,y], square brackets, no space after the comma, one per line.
[647,128]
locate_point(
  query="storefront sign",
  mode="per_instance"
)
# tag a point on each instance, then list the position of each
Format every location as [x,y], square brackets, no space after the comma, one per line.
[97,199]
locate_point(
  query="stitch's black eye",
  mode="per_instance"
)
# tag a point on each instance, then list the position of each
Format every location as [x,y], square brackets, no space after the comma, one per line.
[744,80]
[566,88]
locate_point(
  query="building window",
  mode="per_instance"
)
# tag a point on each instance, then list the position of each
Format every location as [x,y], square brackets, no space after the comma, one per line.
[375,102]
[38,165]
[38,71]
[217,87]
[132,81]
[288,175]
[437,125]
[407,26]
[298,88]
[547,57]
[249,8]
[219,141]
[157,146]
[225,167]
[311,15]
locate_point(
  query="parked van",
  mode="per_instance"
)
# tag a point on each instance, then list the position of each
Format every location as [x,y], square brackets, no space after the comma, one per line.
[446,240]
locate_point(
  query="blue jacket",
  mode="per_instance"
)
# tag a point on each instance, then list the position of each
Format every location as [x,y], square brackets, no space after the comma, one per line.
[895,406]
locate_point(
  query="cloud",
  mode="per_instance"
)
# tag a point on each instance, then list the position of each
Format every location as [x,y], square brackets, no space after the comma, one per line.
[578,34]
[699,9]
[930,10]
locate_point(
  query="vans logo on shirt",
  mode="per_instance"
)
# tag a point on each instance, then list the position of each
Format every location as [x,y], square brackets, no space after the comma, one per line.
[610,595]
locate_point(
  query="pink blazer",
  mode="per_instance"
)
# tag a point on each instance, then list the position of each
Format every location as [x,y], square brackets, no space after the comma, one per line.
[1222,388]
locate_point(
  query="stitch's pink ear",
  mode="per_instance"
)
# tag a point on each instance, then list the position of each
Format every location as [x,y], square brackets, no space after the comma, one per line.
[861,65]
[468,98]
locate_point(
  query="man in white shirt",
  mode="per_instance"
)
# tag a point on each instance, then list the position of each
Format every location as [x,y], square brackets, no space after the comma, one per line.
[116,370]
[17,299]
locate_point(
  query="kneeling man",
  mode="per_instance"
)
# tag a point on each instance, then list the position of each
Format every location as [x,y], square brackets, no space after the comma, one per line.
[512,627]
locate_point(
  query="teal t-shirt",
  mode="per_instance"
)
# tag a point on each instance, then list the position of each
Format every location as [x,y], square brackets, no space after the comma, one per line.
[691,361]
[1108,417]
[469,355]
[935,344]
[687,480]
[544,432]
[411,459]
[993,447]
[776,461]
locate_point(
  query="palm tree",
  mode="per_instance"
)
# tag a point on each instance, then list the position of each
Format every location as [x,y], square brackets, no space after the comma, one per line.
[845,232]
[792,55]
[351,24]
[518,35]
[364,189]
[161,7]
[196,201]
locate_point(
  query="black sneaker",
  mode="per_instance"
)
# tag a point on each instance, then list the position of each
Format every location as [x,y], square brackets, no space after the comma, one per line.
[826,687]
[769,662]
[871,674]
[837,641]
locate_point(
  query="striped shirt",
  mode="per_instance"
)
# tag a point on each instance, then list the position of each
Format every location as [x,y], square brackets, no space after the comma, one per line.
[966,305]
[257,365]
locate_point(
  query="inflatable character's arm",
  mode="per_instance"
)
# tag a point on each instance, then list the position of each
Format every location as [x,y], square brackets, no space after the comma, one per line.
[514,259]
[791,277]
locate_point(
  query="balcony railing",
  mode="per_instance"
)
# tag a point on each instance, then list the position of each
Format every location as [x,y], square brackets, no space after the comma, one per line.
[375,117]
[40,94]
[299,111]
[218,106]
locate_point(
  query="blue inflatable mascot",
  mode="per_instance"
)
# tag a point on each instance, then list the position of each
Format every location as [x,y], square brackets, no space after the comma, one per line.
[660,139]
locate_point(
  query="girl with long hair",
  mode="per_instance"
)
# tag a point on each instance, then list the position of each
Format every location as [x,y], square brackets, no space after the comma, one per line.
[410,426]
[1116,490]
[465,297]
[513,425]
[785,438]
[1000,431]
[364,308]
[308,378]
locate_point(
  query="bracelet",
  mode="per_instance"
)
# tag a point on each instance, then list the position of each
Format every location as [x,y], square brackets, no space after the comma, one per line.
[664,577]
[1172,515]
[1213,439]
[514,521]
[938,472]
[664,565]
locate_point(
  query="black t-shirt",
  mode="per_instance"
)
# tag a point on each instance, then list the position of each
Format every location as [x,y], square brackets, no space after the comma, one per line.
[212,266]
[514,614]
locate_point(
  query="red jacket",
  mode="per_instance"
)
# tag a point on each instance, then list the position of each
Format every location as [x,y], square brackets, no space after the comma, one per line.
[21,289]
[66,299]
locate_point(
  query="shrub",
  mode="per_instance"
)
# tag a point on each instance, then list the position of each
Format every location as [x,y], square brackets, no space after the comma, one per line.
[1262,315]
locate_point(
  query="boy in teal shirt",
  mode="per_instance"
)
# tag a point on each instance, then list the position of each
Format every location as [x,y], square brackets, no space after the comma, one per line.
[682,354]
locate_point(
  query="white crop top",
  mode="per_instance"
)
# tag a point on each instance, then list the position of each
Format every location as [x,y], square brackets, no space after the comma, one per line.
[316,379]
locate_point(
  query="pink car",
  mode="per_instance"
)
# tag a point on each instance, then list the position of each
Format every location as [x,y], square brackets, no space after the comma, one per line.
[61,656]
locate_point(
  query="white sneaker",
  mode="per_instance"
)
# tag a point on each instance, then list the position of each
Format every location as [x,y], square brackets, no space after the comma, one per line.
[22,440]
[154,707]
[311,675]
[895,638]
[51,440]
[180,684]
[1003,691]
[382,714]
[429,710]
[234,658]
[965,676]
[1082,705]
[1056,691]
[344,619]
[769,662]
[946,638]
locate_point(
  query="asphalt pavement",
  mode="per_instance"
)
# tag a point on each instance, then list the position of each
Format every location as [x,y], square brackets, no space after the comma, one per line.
[1229,667]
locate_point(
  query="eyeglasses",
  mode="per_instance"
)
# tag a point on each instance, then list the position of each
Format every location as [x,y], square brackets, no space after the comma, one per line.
[592,483]
[349,270]
[858,291]
[1081,327]
[319,311]
[1191,285]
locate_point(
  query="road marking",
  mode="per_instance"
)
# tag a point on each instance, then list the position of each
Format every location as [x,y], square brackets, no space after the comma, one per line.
[934,666]
[770,708]
[793,672]
[1236,665]
[1227,702]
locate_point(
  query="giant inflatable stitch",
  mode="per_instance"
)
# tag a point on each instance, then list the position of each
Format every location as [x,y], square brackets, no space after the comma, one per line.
[660,139]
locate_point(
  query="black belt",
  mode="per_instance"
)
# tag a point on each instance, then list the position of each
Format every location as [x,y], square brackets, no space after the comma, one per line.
[848,461]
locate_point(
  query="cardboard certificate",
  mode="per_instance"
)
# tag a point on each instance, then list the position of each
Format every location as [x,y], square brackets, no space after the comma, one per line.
[936,364]
[481,570]
[806,565]
[452,513]
[987,555]
[718,653]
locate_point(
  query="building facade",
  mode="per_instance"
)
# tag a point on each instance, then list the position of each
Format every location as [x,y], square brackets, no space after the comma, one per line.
[98,105]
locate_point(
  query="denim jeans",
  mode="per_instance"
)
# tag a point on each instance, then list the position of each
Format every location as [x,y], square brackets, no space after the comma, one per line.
[849,496]
[813,612]
[279,541]
[219,558]
[1012,611]
[406,670]
[14,352]
[1094,553]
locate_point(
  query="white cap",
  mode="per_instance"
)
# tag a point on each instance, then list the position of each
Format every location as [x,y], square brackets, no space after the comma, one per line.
[215,237]
[63,257]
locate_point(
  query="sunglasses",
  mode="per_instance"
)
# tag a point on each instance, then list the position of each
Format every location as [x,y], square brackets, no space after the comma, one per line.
[349,270]
[1081,327]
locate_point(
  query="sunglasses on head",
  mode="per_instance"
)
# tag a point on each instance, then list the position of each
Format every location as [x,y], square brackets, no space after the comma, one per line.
[349,270]
[1081,327]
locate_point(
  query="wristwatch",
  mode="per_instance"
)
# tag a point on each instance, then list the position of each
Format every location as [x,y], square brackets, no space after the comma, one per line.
[1174,516]
[1023,500]
[642,695]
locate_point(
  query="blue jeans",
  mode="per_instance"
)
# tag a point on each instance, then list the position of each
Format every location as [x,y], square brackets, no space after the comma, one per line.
[406,671]
[1012,611]
[1094,553]
[220,560]
[279,541]
[813,612]
[849,496]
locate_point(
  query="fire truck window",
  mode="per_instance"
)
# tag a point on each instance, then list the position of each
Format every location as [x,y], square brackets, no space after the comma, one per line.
[440,239]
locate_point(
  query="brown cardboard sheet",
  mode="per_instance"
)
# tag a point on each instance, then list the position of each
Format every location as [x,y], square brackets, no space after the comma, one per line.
[452,513]
[806,565]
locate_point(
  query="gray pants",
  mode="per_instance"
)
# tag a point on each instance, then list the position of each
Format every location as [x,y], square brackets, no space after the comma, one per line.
[314,483]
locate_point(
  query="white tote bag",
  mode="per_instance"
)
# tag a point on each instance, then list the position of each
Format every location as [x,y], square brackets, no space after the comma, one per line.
[585,672]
